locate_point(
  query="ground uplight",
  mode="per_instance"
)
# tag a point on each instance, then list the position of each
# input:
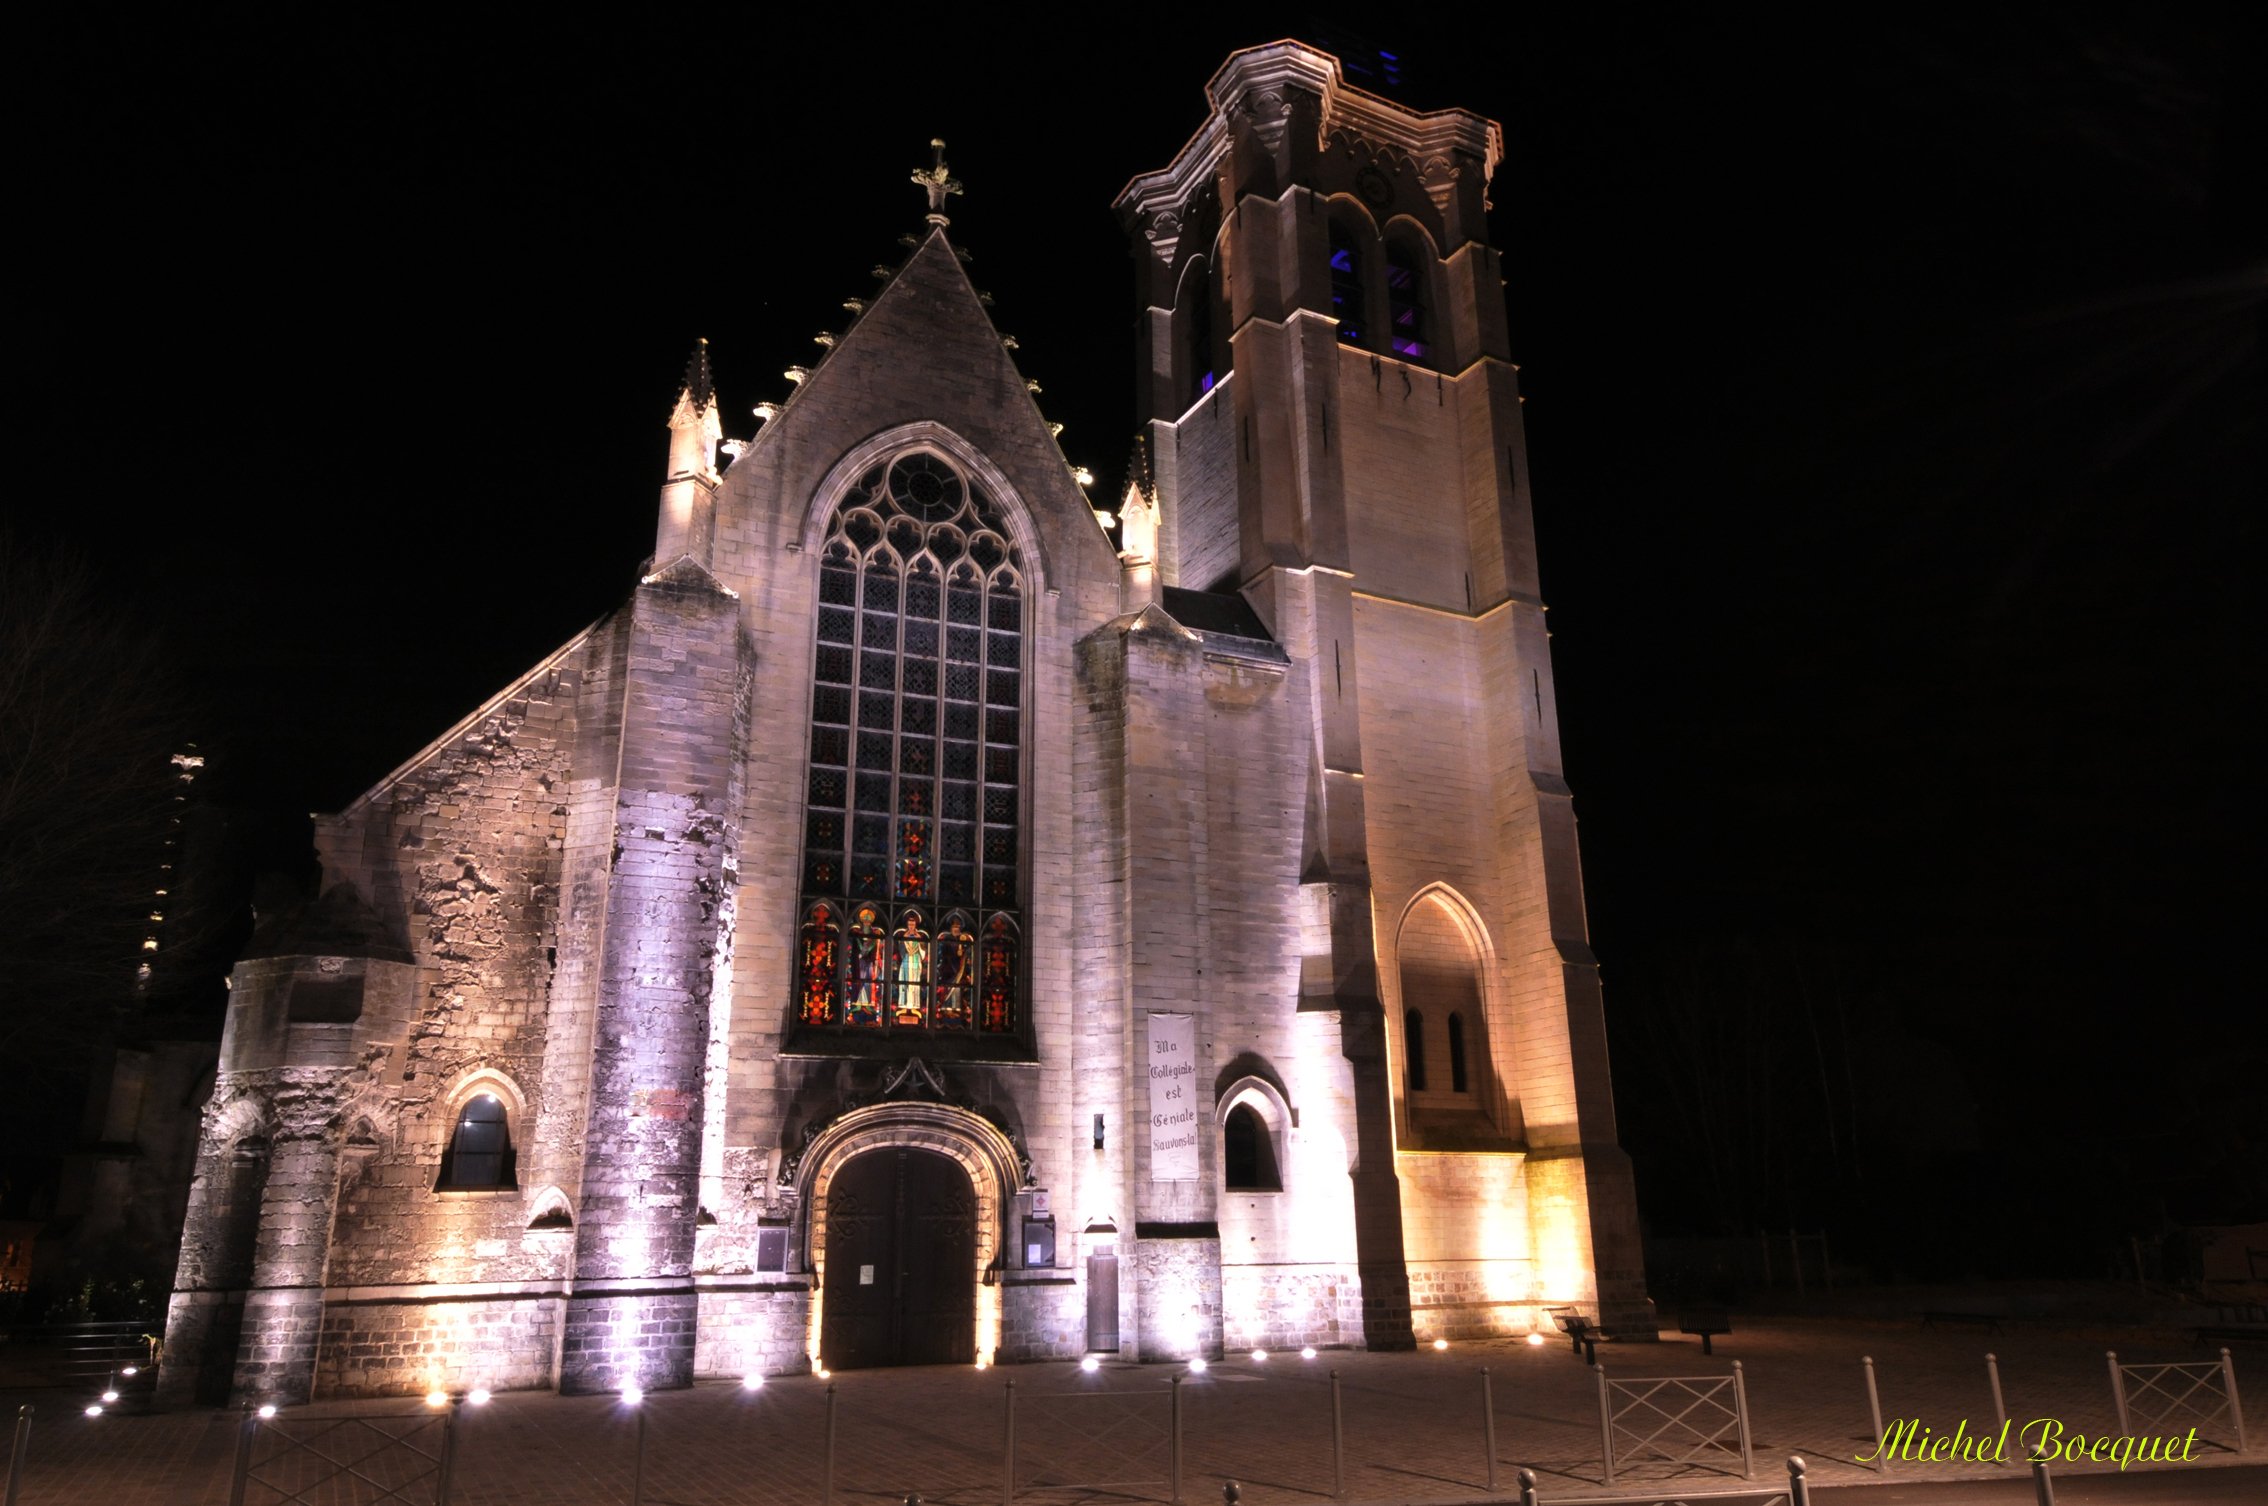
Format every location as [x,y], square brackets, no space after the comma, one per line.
[1307,1353]
[1197,1364]
[1090,1364]
[1441,1343]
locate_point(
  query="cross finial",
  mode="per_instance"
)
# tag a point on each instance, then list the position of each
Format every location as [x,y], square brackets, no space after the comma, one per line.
[939,180]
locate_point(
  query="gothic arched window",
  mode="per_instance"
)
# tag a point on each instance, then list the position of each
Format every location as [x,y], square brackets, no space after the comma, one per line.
[1413,1049]
[1406,333]
[1347,292]
[1248,1153]
[480,1155]
[910,918]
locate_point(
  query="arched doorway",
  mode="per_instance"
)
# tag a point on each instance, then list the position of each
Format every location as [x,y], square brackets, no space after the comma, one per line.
[900,1268]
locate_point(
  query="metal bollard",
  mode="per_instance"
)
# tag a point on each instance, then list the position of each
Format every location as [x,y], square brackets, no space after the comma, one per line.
[1606,1424]
[1231,1493]
[17,1452]
[1488,1425]
[638,1464]
[448,1465]
[246,1431]
[2236,1409]
[1874,1410]
[1999,1407]
[1527,1487]
[1799,1485]
[1008,1452]
[1338,1442]
[913,1498]
[2118,1393]
[2043,1483]
[1740,1400]
[827,1495]
[1173,1409]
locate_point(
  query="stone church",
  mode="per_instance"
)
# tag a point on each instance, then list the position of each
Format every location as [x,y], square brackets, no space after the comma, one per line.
[937,920]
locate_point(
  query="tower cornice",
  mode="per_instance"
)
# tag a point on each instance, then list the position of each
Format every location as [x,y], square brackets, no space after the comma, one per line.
[1255,80]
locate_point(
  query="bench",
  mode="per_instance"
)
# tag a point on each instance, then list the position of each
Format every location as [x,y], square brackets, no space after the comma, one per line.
[1580,1330]
[1707,1322]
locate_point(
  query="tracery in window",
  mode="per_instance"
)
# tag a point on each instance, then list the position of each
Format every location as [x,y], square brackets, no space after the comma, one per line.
[912,819]
[1405,305]
[1347,296]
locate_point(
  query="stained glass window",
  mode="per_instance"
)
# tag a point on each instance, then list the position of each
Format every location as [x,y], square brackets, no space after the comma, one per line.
[1405,305]
[912,822]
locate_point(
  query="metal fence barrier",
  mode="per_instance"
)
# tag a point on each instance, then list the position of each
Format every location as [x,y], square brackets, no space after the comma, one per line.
[404,1458]
[1673,1419]
[1797,1493]
[1122,1439]
[2203,1391]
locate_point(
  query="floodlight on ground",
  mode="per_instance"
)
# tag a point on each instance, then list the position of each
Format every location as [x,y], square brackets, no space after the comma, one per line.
[94,1410]
[1090,1364]
[1308,1352]
[633,1393]
[109,1396]
[1441,1343]
[131,1370]
[1536,1339]
[752,1382]
[436,1397]
[269,1410]
[478,1396]
[1260,1355]
[1197,1364]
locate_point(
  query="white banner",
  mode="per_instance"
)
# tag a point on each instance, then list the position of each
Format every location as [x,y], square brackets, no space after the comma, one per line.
[1173,1097]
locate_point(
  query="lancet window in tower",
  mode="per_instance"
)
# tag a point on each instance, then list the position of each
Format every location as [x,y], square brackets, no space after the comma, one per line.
[911,917]
[1346,285]
[1197,327]
[1405,305]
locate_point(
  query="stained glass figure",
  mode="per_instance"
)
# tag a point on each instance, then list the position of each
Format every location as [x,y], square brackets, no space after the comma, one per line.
[997,1002]
[952,975]
[909,973]
[914,793]
[862,1005]
[819,970]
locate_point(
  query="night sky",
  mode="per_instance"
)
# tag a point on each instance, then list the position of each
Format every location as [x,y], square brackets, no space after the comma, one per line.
[1897,415]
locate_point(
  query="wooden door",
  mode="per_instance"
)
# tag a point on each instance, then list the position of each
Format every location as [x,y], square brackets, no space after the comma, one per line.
[900,1262]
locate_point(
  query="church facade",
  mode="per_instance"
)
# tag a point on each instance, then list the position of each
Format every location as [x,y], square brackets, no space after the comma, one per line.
[934,920]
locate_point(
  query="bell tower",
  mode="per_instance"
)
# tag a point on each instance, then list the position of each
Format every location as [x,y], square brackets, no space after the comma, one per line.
[1327,391]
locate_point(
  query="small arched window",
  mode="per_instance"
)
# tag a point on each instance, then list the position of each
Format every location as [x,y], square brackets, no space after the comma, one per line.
[479,1157]
[1413,1049]
[1346,285]
[1248,1153]
[1457,1052]
[1197,328]
[1407,336]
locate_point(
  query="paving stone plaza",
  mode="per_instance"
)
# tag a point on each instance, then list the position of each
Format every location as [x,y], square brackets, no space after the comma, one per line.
[1412,1428]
